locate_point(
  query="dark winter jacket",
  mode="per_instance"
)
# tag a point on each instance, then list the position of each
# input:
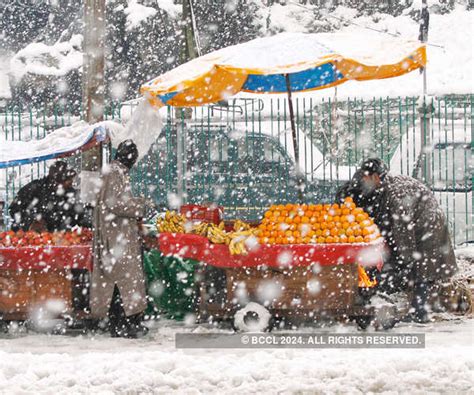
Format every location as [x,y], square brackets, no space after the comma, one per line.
[353,189]
[42,199]
[414,227]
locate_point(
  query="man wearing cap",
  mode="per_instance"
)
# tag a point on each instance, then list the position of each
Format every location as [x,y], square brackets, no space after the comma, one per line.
[49,203]
[414,227]
[118,280]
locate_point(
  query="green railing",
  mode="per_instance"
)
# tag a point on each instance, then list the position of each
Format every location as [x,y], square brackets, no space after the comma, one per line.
[239,154]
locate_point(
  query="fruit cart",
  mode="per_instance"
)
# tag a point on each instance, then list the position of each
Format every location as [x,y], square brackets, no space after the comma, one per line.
[303,282]
[42,278]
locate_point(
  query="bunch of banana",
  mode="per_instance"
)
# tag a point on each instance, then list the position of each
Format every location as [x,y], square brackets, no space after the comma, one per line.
[201,229]
[172,223]
[218,235]
[238,239]
[240,225]
[237,246]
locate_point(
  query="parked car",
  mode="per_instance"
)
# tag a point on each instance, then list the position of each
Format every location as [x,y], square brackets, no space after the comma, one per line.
[446,165]
[244,171]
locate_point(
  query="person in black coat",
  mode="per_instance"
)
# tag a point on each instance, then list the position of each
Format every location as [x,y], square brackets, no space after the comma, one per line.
[49,203]
[414,227]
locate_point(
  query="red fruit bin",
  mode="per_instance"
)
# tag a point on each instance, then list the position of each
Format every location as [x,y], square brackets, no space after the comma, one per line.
[279,256]
[195,212]
[46,257]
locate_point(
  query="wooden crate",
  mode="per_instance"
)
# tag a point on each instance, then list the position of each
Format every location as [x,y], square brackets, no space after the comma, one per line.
[23,291]
[332,290]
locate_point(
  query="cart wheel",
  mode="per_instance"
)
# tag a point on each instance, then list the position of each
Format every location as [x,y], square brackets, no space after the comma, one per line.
[252,318]
[3,326]
[363,321]
[385,317]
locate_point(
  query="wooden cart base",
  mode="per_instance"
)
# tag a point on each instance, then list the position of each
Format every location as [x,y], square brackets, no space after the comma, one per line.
[52,278]
[303,293]
[23,292]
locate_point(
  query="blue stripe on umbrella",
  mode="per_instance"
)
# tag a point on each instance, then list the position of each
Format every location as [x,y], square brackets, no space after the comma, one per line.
[167,96]
[307,79]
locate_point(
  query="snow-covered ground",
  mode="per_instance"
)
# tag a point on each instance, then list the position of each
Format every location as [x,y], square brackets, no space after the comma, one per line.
[39,363]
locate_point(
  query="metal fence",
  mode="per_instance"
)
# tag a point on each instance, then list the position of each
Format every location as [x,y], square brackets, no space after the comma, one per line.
[239,154]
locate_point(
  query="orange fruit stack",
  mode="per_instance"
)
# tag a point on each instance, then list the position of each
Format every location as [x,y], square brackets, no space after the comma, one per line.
[317,223]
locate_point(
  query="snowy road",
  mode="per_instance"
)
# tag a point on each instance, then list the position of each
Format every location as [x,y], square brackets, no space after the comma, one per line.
[36,363]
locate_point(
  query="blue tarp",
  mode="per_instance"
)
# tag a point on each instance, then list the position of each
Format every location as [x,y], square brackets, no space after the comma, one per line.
[62,142]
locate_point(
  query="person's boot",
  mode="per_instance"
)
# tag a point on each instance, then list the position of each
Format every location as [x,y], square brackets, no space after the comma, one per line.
[114,331]
[135,328]
[92,326]
[419,301]
[421,316]
[116,327]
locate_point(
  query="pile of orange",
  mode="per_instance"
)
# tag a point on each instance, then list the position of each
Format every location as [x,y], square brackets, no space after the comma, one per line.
[317,223]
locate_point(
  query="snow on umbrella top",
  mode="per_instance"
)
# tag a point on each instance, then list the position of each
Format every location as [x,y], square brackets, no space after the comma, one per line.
[311,61]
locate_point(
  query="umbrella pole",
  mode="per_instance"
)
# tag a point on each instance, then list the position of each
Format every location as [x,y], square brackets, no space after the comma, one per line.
[300,183]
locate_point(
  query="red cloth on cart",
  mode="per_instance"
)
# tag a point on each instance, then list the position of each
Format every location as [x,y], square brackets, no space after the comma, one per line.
[44,258]
[199,248]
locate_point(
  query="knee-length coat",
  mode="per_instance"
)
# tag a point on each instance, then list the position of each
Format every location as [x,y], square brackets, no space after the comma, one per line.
[117,245]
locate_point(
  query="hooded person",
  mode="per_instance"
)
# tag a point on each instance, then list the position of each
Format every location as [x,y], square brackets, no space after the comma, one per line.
[353,189]
[50,203]
[414,227]
[118,280]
